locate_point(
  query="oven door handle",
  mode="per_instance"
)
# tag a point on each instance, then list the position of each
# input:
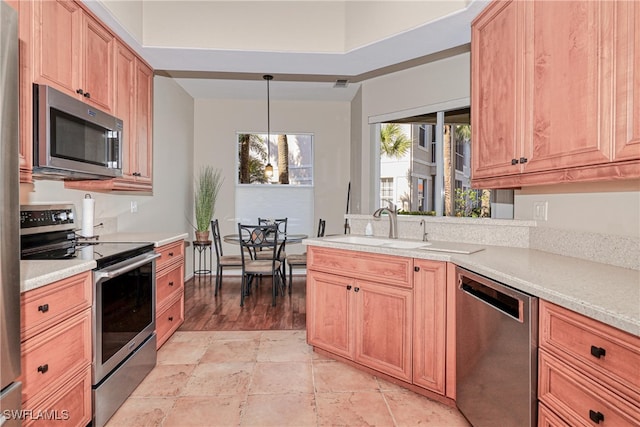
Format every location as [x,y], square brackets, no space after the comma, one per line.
[129,265]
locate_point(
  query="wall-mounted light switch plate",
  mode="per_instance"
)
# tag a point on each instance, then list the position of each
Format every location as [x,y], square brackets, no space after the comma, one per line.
[540,211]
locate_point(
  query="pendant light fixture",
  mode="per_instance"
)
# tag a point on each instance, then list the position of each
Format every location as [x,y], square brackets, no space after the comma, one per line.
[268,169]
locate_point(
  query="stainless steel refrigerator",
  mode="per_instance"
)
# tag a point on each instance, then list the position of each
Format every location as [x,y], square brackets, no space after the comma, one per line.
[10,387]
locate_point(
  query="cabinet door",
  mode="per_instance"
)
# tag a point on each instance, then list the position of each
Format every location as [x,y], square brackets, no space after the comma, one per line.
[496,92]
[125,106]
[144,111]
[329,313]
[383,328]
[627,68]
[57,34]
[97,70]
[429,325]
[569,75]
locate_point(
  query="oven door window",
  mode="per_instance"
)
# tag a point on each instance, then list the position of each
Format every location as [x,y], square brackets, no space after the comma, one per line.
[127,308]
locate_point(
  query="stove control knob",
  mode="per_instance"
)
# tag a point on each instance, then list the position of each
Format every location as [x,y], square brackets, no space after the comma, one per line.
[60,216]
[70,215]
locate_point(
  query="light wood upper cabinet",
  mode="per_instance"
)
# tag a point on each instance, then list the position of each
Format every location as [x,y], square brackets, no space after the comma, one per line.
[496,90]
[73,52]
[133,104]
[627,75]
[554,93]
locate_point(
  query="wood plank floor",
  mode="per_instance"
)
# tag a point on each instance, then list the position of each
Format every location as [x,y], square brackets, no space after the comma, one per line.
[205,312]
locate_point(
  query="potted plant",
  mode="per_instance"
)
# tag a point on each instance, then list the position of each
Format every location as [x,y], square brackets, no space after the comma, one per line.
[208,185]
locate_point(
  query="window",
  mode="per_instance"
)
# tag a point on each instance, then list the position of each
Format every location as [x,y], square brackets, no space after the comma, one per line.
[449,191]
[291,156]
[386,191]
[289,191]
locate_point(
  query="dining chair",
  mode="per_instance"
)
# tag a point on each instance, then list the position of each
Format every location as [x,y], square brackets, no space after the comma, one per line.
[300,260]
[256,239]
[223,260]
[281,223]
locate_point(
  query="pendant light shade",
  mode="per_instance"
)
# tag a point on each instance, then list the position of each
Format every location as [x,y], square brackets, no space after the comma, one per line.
[268,169]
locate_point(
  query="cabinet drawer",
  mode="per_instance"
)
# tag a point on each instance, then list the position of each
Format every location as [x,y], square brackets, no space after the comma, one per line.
[169,253]
[169,282]
[168,320]
[546,418]
[69,406]
[573,337]
[386,269]
[48,305]
[576,397]
[51,357]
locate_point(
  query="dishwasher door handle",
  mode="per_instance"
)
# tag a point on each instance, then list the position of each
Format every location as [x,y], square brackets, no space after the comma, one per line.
[504,302]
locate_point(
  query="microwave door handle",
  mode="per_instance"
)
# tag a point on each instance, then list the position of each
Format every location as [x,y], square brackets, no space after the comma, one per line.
[104,274]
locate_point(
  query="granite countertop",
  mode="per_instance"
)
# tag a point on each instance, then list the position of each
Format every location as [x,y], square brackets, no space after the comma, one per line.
[34,274]
[603,292]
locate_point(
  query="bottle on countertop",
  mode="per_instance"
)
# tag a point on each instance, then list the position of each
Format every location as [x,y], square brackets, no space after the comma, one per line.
[368,231]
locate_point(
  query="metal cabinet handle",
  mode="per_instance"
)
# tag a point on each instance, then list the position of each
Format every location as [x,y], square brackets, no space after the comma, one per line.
[416,268]
[43,368]
[348,287]
[598,352]
[170,318]
[523,160]
[43,308]
[87,95]
[357,289]
[170,253]
[595,416]
[80,91]
[170,283]
[514,161]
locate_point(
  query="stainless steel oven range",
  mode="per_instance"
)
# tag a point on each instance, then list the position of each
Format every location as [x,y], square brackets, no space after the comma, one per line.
[123,311]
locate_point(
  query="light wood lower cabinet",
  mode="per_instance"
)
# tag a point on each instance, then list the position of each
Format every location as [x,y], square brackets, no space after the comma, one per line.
[589,372]
[429,324]
[376,311]
[56,350]
[169,290]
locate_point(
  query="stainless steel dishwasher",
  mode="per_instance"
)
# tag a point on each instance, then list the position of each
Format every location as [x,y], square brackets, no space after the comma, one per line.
[496,352]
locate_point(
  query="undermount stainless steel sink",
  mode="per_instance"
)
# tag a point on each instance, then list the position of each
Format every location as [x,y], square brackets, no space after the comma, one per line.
[381,242]
[377,241]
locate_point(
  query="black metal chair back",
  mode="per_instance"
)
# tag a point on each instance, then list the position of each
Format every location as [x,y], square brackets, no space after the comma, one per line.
[217,240]
[321,225]
[258,238]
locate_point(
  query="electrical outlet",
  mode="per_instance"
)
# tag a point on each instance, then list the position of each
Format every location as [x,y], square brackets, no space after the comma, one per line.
[540,211]
[134,207]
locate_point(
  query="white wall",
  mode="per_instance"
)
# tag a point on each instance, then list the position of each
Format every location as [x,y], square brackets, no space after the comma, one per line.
[217,122]
[611,208]
[167,207]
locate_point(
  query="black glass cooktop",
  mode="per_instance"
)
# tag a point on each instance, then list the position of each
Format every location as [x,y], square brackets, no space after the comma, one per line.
[106,254]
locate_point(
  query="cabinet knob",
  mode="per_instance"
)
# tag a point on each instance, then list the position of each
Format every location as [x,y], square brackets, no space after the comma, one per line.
[514,161]
[170,283]
[43,308]
[348,287]
[356,289]
[80,91]
[170,253]
[416,268]
[598,352]
[170,318]
[43,368]
[87,95]
[595,416]
[523,160]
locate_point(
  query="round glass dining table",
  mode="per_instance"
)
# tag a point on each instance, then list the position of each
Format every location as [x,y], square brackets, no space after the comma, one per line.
[291,238]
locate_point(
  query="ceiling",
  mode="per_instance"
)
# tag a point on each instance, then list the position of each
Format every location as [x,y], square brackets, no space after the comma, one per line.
[237,74]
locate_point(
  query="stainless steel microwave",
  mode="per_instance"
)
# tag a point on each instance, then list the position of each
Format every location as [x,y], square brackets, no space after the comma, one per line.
[73,140]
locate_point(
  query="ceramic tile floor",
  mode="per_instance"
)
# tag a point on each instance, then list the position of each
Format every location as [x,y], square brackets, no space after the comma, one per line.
[268,378]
